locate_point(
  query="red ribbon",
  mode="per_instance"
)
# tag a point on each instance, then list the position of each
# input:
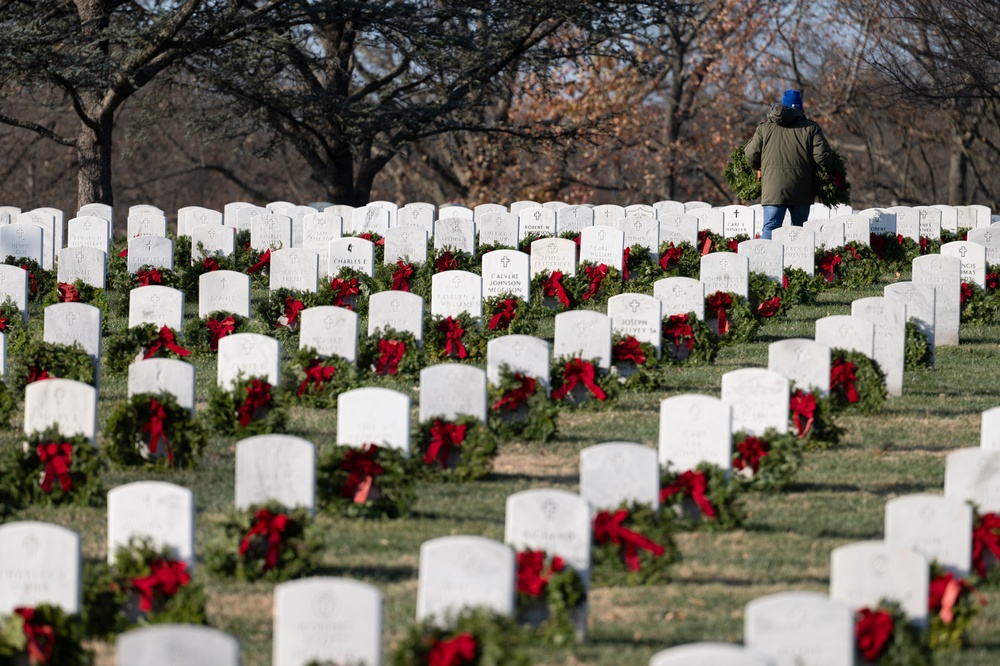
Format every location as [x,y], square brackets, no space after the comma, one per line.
[445,262]
[40,638]
[3,321]
[802,405]
[210,264]
[368,237]
[837,180]
[992,280]
[625,256]
[392,353]
[123,253]
[733,244]
[317,374]
[691,484]
[401,278]
[361,469]
[32,282]
[453,333]
[457,651]
[924,244]
[517,396]
[146,277]
[944,592]
[828,264]
[444,437]
[293,307]
[270,526]
[531,575]
[985,537]
[770,307]
[343,289]
[258,397]
[577,371]
[553,287]
[68,293]
[596,275]
[219,329]
[264,261]
[608,527]
[505,313]
[965,293]
[165,339]
[34,374]
[671,254]
[872,631]
[705,242]
[854,252]
[679,328]
[628,349]
[842,375]
[717,304]
[877,241]
[155,429]
[57,459]
[166,578]
[751,450]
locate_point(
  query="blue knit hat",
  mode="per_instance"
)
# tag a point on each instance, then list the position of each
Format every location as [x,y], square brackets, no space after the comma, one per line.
[793,99]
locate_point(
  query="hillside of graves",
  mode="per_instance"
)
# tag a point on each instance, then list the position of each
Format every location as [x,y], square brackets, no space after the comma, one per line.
[239,367]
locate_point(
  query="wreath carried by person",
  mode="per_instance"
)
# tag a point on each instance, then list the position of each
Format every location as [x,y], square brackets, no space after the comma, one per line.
[43,635]
[52,469]
[580,383]
[702,498]
[153,430]
[142,342]
[250,406]
[550,596]
[521,409]
[391,352]
[832,188]
[633,545]
[857,383]
[370,481]
[313,380]
[49,360]
[460,449]
[454,339]
[475,637]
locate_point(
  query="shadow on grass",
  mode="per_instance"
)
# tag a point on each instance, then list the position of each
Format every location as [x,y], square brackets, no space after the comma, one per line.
[893,489]
[502,477]
[369,573]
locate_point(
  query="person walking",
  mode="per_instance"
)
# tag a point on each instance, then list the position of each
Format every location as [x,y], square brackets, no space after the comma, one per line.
[785,150]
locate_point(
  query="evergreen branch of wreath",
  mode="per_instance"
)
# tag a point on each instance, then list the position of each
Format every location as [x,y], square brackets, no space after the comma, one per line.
[890,248]
[833,188]
[525,321]
[310,380]
[823,432]
[524,244]
[679,260]
[85,293]
[281,311]
[198,333]
[392,492]
[605,381]
[67,637]
[905,644]
[608,566]
[189,274]
[244,258]
[581,285]
[948,629]
[725,496]
[419,281]
[741,179]
[949,236]
[8,404]
[918,350]
[24,475]
[543,306]
[550,604]
[535,419]
[781,461]
[301,542]
[125,282]
[977,306]
[743,321]
[451,259]
[53,360]
[469,460]
[869,384]
[102,602]
[436,339]
[709,242]
[223,414]
[762,291]
[643,270]
[40,281]
[492,638]
[370,354]
[704,342]
[129,345]
[128,433]
[12,325]
[332,290]
[490,247]
[799,288]
[642,377]
[376,240]
[182,253]
[857,266]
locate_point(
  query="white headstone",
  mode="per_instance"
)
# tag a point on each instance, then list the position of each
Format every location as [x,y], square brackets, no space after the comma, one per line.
[373,415]
[574,218]
[464,572]
[804,362]
[930,221]
[889,318]
[522,354]
[369,219]
[154,251]
[160,511]
[275,467]
[585,334]
[456,234]
[14,286]
[225,291]
[695,429]
[535,220]
[907,222]
[989,238]
[174,644]
[248,355]
[417,215]
[615,472]
[190,217]
[318,229]
[506,272]
[357,254]
[829,233]
[147,221]
[498,229]
[800,248]
[880,220]
[918,299]
[973,475]
[643,231]
[866,572]
[164,375]
[86,264]
[638,315]
[710,219]
[450,390]
[406,243]
[555,521]
[764,256]
[737,221]
[89,231]
[759,399]
[215,240]
[989,431]
[857,229]
[936,527]
[681,295]
[973,258]
[455,292]
[294,268]
[945,275]
[400,310]
[800,629]
[41,564]
[725,271]
[330,330]
[553,254]
[608,215]
[21,239]
[708,654]
[678,228]
[847,332]
[602,245]
[156,304]
[75,323]
[47,222]
[68,405]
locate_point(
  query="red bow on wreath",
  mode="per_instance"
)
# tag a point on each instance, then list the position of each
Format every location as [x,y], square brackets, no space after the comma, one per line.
[444,437]
[32,282]
[123,253]
[165,339]
[553,287]
[837,180]
[68,293]
[577,371]
[445,262]
[293,307]
[39,638]
[57,459]
[150,276]
[263,262]
[453,333]
[368,237]
[34,374]
[842,376]
[596,275]
[985,537]
[944,593]
[705,242]
[828,265]
[691,484]
[514,398]
[625,255]
[871,632]
[877,241]
[531,580]
[361,471]
[3,321]
[924,245]
[210,264]
[628,349]
[391,354]
[166,577]
[608,527]
[154,427]
[401,278]
[269,526]
[503,316]
[458,651]
[965,292]
[258,397]
[770,307]
[679,328]
[717,304]
[316,373]
[671,254]
[219,329]
[803,408]
[343,289]
[751,450]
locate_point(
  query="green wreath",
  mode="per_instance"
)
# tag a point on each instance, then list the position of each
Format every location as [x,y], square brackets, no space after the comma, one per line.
[549,594]
[294,555]
[645,376]
[906,645]
[977,305]
[234,412]
[449,259]
[8,404]
[506,314]
[349,289]
[724,496]
[80,292]
[313,381]
[768,298]
[568,393]
[678,331]
[818,431]
[381,353]
[490,637]
[951,635]
[609,565]
[745,184]
[40,281]
[368,482]
[563,296]
[46,360]
[470,347]
[869,383]
[643,271]
[520,409]
[415,277]
[742,180]
[582,285]
[918,350]
[130,426]
[67,637]
[853,265]
[189,274]
[132,344]
[201,334]
[800,289]
[741,319]
[12,325]
[766,463]
[682,260]
[280,312]
[70,473]
[462,449]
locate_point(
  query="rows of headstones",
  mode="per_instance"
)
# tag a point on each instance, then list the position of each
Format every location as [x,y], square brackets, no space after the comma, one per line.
[752,400]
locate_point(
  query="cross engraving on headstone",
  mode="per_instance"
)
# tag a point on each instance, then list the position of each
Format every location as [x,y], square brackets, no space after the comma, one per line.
[736,214]
[456,281]
[211,234]
[678,290]
[249,347]
[961,252]
[394,305]
[517,348]
[638,225]
[405,237]
[878,310]
[223,283]
[538,215]
[724,264]
[844,331]
[328,322]
[87,225]
[20,234]
[71,319]
[149,245]
[987,237]
[505,262]
[634,304]
[30,545]
[552,248]
[601,235]
[923,214]
[549,509]
[155,300]
[910,295]
[79,257]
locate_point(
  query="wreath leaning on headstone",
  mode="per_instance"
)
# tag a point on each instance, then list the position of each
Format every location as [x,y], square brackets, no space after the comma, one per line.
[767,462]
[454,339]
[365,482]
[47,360]
[51,469]
[202,335]
[521,409]
[43,634]
[857,383]
[702,498]
[142,342]
[475,637]
[581,383]
[460,449]
[250,406]
[152,429]
[550,596]
[637,364]
[391,352]
[312,380]
[633,545]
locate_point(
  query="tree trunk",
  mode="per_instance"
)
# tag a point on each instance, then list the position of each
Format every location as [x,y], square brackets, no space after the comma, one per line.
[958,168]
[93,148]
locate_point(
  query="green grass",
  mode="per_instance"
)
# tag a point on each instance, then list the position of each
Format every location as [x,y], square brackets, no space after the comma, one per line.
[838,497]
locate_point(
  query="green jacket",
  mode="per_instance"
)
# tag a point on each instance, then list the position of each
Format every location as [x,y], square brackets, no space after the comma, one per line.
[786,149]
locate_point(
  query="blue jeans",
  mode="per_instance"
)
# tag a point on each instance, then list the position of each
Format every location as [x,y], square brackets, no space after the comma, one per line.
[774,217]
